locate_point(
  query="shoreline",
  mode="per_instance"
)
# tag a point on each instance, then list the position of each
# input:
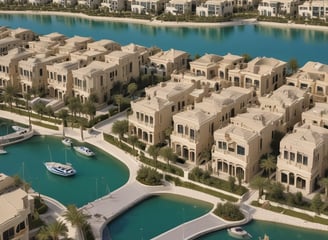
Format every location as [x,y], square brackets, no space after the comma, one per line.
[158,23]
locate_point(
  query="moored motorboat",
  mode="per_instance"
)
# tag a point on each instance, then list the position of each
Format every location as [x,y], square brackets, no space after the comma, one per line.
[2,151]
[17,128]
[84,150]
[67,141]
[65,170]
[239,232]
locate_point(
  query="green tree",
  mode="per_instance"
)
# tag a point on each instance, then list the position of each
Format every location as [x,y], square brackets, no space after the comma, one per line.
[133,139]
[167,154]
[89,108]
[74,105]
[246,57]
[9,95]
[317,203]
[120,128]
[132,88]
[292,65]
[118,99]
[53,231]
[167,133]
[27,97]
[324,183]
[268,164]
[232,183]
[40,108]
[77,218]
[276,190]
[259,183]
[149,176]
[63,114]
[153,151]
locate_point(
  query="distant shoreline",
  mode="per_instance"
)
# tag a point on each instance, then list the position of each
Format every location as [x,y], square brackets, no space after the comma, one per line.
[158,23]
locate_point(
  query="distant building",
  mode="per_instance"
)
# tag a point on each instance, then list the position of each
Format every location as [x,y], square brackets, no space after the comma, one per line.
[15,208]
[217,8]
[314,9]
[147,6]
[273,8]
[179,6]
[113,5]
[9,43]
[317,115]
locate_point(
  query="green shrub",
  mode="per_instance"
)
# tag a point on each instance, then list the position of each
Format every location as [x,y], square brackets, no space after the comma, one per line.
[149,176]
[229,212]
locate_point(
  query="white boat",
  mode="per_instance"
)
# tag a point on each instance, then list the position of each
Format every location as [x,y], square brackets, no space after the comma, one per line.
[2,151]
[65,170]
[239,232]
[17,128]
[67,141]
[84,150]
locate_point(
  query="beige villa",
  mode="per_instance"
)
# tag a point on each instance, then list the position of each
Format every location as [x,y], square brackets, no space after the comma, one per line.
[16,208]
[25,35]
[96,79]
[127,65]
[104,45]
[73,44]
[288,100]
[313,77]
[33,71]
[303,159]
[317,116]
[8,43]
[192,134]
[152,115]
[9,74]
[263,74]
[60,79]
[240,145]
[218,8]
[142,52]
[164,63]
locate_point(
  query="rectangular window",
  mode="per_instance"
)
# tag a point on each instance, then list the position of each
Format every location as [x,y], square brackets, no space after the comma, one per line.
[285,154]
[180,128]
[192,133]
[240,150]
[305,160]
[299,158]
[219,144]
[292,156]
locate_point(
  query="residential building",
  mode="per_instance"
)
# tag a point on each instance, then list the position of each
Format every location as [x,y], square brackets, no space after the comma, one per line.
[65,3]
[15,208]
[207,66]
[4,32]
[263,74]
[313,77]
[53,37]
[142,52]
[288,100]
[60,79]
[303,159]
[192,134]
[226,104]
[164,63]
[74,44]
[272,8]
[96,79]
[113,5]
[317,115]
[90,3]
[217,8]
[104,45]
[38,2]
[152,115]
[9,74]
[128,65]
[147,6]
[230,61]
[314,9]
[33,71]
[8,43]
[240,145]
[179,6]
[85,57]
[25,35]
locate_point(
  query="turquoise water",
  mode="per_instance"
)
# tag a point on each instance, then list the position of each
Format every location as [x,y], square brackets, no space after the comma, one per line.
[95,177]
[155,216]
[274,230]
[304,45]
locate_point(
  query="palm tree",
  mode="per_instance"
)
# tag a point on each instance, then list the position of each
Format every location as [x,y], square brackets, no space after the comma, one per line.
[167,154]
[132,88]
[133,140]
[40,108]
[324,183]
[118,99]
[89,108]
[63,114]
[53,231]
[268,164]
[153,151]
[292,65]
[75,106]
[77,218]
[259,183]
